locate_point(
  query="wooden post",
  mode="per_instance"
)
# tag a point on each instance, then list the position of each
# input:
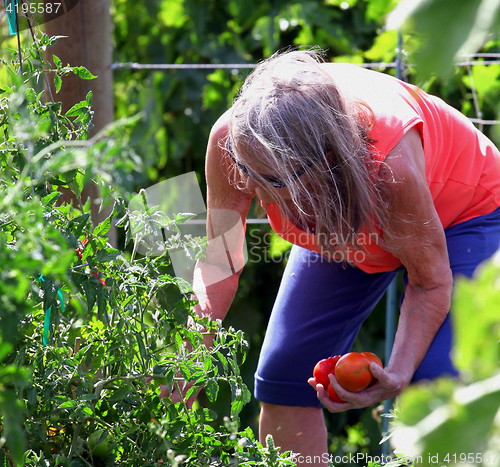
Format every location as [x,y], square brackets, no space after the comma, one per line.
[87,25]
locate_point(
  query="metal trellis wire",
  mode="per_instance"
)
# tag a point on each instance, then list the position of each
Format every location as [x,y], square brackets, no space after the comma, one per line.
[469,61]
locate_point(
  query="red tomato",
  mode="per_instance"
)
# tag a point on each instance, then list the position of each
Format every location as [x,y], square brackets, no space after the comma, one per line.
[332,394]
[353,372]
[324,368]
[373,358]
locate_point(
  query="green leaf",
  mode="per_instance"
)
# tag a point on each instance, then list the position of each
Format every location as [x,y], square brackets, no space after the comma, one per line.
[384,47]
[90,293]
[77,225]
[223,360]
[12,414]
[88,397]
[68,405]
[472,356]
[173,14]
[78,109]
[83,73]
[142,347]
[161,379]
[57,61]
[51,198]
[57,82]
[119,395]
[102,303]
[463,425]
[88,98]
[103,227]
[212,389]
[77,184]
[240,396]
[193,389]
[467,29]
[108,254]
[377,9]
[185,371]
[87,411]
[208,364]
[5,349]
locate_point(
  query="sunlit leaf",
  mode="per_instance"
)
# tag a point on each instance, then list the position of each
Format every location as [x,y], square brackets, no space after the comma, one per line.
[466,30]
[83,73]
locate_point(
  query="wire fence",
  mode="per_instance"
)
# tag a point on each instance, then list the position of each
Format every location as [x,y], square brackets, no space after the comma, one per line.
[468,61]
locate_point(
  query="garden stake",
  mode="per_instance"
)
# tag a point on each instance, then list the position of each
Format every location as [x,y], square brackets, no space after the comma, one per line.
[75,351]
[11,10]
[48,310]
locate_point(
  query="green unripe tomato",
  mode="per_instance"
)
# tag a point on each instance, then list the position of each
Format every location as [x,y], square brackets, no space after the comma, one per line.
[100,443]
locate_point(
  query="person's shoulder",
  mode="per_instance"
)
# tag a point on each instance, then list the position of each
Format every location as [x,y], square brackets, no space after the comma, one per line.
[405,159]
[337,70]
[222,193]
[220,128]
[341,66]
[217,140]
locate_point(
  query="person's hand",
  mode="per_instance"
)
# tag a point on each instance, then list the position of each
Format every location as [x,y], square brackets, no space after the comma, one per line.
[388,385]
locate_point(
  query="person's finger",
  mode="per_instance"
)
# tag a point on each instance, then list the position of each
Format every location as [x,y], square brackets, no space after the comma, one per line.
[342,392]
[332,406]
[379,373]
[312,383]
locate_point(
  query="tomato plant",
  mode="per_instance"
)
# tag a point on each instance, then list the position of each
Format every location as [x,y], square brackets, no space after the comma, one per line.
[82,333]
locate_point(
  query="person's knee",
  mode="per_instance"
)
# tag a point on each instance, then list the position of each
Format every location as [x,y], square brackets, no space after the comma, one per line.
[297,429]
[287,414]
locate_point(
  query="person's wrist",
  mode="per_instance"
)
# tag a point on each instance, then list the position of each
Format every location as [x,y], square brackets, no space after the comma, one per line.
[402,378]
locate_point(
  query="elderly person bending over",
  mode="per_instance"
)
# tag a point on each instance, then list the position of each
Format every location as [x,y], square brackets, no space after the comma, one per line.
[366,175]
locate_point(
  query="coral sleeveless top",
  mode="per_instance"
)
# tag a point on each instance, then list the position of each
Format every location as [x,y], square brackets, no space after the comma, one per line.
[462,165]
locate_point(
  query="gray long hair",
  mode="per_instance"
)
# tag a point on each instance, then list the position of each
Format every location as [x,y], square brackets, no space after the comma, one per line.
[290,116]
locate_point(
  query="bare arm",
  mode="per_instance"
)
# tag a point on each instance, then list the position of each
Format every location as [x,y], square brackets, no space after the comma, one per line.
[216,277]
[415,235]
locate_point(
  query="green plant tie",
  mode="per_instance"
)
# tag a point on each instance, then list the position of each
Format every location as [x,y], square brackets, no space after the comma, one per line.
[48,310]
[11,10]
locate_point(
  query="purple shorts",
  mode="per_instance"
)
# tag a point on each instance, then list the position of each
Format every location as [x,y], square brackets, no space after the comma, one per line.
[321,306]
